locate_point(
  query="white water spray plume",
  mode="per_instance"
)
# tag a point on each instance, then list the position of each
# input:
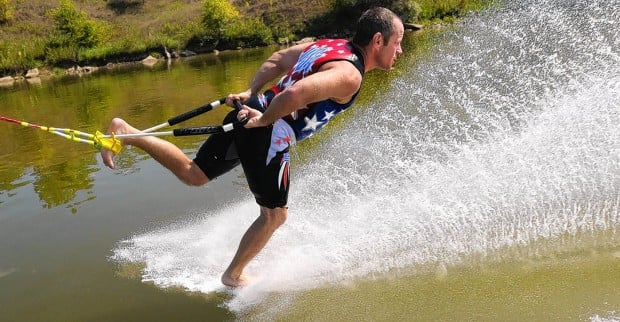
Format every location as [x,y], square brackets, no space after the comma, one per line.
[508,135]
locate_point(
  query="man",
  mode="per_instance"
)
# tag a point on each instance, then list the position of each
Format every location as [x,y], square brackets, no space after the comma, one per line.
[322,79]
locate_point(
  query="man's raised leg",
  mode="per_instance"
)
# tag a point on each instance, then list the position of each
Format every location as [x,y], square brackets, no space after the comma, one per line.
[164,152]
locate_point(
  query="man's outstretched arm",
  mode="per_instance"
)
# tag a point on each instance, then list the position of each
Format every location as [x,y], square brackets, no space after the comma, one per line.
[337,81]
[277,64]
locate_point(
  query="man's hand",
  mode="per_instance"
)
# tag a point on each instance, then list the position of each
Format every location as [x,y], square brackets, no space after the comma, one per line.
[241,97]
[253,116]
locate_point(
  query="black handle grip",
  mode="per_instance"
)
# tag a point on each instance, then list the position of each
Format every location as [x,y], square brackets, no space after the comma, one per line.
[238,104]
[210,129]
[195,112]
[198,130]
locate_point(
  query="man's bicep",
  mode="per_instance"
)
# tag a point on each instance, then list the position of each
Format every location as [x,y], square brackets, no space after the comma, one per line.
[339,83]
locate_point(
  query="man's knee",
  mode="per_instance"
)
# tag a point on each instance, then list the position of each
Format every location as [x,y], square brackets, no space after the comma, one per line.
[195,182]
[274,217]
[194,176]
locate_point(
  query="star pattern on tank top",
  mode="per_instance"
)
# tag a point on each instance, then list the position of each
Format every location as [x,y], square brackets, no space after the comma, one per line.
[328,116]
[311,123]
[307,59]
[306,120]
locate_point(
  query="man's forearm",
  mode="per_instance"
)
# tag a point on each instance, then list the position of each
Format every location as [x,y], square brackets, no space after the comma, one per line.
[282,105]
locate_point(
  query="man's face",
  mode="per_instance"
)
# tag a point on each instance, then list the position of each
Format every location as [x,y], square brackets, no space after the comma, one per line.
[389,53]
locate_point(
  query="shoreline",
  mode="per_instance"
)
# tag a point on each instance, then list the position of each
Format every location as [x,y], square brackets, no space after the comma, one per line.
[36,76]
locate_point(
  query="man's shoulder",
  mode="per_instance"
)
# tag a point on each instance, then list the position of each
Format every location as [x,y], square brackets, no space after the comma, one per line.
[333,43]
[333,50]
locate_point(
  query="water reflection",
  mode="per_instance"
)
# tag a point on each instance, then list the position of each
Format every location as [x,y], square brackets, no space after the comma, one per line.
[59,170]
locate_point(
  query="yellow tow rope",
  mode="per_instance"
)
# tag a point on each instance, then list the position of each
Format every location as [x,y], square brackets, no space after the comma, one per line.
[98,140]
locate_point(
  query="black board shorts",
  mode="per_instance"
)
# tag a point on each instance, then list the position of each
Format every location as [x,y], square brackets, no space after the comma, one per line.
[262,152]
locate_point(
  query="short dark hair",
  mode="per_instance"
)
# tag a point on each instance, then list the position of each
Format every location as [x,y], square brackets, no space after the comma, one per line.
[374,20]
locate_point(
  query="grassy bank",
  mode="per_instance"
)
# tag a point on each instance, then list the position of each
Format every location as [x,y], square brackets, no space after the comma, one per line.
[65,33]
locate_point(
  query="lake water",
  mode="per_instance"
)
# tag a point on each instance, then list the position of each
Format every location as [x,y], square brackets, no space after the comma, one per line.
[479,180]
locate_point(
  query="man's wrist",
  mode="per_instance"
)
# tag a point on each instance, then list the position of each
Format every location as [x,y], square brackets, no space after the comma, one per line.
[261,121]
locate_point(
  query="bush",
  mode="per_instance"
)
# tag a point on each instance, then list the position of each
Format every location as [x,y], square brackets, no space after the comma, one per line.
[224,29]
[7,10]
[73,28]
[408,10]
[217,15]
[246,33]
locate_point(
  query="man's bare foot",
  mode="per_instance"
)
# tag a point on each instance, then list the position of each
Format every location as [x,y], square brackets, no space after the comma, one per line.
[117,126]
[241,281]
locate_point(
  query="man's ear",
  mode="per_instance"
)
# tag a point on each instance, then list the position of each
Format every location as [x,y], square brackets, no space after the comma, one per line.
[377,39]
